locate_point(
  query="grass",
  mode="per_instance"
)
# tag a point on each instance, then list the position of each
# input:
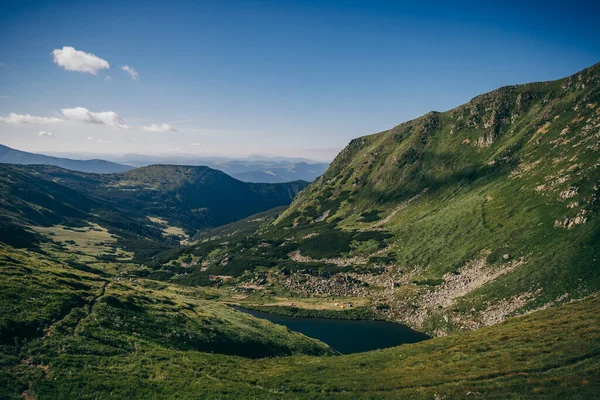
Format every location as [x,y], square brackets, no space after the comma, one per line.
[528,357]
[355,313]
[93,240]
[87,336]
[318,303]
[168,230]
[48,308]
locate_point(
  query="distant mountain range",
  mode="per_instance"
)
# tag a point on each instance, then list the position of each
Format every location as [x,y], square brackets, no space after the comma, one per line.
[277,172]
[135,205]
[12,156]
[251,169]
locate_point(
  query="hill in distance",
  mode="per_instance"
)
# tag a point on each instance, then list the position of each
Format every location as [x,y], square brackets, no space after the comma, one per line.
[195,196]
[282,172]
[160,203]
[249,169]
[12,156]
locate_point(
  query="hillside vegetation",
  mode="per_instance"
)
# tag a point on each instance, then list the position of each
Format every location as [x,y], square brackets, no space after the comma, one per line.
[452,221]
[68,333]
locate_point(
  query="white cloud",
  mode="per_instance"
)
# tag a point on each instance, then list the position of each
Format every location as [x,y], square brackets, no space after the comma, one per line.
[76,60]
[197,144]
[159,128]
[82,114]
[131,71]
[89,138]
[108,78]
[104,141]
[13,118]
[45,133]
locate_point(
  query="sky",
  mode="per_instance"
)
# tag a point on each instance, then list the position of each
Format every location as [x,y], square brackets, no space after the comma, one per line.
[279,78]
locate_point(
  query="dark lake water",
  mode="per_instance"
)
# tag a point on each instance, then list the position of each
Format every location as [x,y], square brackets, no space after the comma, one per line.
[347,336]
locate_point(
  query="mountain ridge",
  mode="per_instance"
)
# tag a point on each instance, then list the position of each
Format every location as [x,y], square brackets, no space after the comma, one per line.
[252,169]
[9,155]
[143,203]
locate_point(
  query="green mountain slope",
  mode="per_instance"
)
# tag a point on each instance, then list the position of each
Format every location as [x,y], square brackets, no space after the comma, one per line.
[454,220]
[48,308]
[492,207]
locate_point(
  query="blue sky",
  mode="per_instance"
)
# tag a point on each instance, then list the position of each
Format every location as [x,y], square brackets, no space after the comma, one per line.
[289,78]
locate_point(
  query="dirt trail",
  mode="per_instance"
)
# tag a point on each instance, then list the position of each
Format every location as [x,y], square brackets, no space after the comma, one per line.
[95,299]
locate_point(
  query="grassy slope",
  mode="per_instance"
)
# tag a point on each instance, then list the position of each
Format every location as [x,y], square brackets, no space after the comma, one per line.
[48,308]
[72,333]
[549,354]
[79,332]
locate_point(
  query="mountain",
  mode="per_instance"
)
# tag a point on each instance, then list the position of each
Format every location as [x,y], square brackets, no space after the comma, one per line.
[193,197]
[249,169]
[12,156]
[150,202]
[265,170]
[452,221]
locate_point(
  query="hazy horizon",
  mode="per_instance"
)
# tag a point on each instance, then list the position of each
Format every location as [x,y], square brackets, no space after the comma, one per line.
[87,155]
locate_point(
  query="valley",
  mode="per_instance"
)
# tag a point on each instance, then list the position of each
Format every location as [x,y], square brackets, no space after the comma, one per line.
[250,169]
[477,227]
